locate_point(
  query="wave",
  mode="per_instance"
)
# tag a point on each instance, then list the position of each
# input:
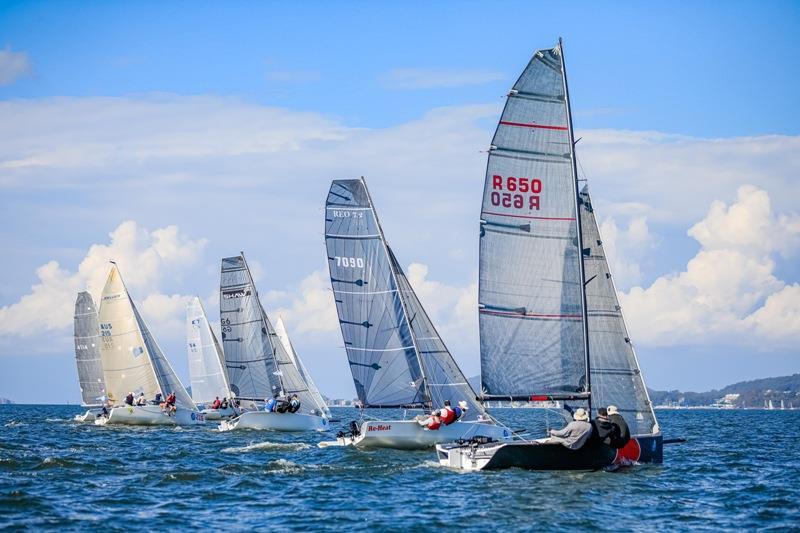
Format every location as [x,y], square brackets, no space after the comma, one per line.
[285,446]
[284,466]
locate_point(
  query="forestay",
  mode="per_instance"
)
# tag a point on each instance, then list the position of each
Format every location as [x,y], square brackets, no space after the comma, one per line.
[257,363]
[87,351]
[530,300]
[616,377]
[396,356]
[206,362]
[283,335]
[131,359]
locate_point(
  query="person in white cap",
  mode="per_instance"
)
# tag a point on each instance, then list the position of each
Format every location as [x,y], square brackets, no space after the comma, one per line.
[575,434]
[624,434]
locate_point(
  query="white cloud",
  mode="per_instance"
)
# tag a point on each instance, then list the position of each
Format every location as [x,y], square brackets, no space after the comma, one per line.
[429,78]
[308,308]
[729,292]
[625,247]
[144,257]
[13,65]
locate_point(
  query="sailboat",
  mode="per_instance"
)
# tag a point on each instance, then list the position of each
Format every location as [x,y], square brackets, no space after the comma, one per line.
[396,356]
[134,363]
[257,362]
[206,364]
[551,326]
[87,358]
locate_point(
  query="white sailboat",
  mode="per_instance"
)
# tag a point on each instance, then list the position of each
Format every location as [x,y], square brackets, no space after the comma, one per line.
[550,323]
[133,363]
[259,366]
[395,354]
[87,358]
[207,372]
[283,336]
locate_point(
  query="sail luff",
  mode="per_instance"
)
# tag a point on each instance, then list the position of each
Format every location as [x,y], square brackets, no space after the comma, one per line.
[582,268]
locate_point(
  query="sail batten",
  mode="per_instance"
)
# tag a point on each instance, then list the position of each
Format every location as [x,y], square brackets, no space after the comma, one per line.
[87,351]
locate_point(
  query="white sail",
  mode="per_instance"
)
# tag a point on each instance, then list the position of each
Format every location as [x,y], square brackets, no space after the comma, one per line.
[132,361]
[87,351]
[206,362]
[283,335]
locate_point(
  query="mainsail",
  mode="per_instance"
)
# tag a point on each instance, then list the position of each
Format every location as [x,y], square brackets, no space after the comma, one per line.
[530,297]
[395,355]
[206,362]
[257,363]
[132,361]
[616,377]
[283,335]
[87,351]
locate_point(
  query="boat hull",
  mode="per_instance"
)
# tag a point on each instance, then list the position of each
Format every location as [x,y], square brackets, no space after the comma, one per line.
[549,456]
[219,414]
[263,420]
[150,415]
[409,435]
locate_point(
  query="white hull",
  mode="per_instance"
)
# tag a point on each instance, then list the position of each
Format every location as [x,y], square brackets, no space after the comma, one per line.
[263,420]
[89,416]
[219,414]
[409,435]
[150,415]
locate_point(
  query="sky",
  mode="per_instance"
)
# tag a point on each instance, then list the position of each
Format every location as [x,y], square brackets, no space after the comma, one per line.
[167,136]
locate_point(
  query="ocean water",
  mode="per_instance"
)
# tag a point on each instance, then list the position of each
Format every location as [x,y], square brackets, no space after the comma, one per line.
[739,470]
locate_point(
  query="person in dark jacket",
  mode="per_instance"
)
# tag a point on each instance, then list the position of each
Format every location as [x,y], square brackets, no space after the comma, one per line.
[129,399]
[623,434]
[603,430]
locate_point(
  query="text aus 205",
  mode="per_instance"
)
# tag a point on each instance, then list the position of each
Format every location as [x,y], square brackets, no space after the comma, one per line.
[522,192]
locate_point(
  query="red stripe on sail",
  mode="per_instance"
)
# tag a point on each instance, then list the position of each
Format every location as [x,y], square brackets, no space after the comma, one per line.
[524,216]
[538,126]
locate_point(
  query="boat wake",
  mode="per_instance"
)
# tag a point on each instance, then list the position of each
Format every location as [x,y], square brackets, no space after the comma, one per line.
[267,445]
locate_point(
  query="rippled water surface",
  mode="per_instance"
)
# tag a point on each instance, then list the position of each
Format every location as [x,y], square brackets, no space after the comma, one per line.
[738,470]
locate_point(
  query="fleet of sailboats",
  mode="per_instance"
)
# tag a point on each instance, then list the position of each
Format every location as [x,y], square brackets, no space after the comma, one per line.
[551,327]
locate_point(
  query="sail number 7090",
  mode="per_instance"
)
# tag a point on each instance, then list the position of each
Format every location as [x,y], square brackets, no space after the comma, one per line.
[349,262]
[522,192]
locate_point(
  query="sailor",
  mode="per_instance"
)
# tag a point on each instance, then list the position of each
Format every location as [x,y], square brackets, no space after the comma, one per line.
[623,435]
[216,404]
[141,400]
[460,409]
[170,403]
[602,428]
[224,404]
[448,414]
[575,434]
[271,404]
[432,422]
[294,404]
[129,399]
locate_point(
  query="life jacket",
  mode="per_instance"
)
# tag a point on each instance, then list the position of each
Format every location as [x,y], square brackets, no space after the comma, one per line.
[459,412]
[216,404]
[270,407]
[448,415]
[435,423]
[171,399]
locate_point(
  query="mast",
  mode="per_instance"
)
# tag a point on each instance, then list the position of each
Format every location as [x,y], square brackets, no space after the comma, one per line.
[278,371]
[588,380]
[402,298]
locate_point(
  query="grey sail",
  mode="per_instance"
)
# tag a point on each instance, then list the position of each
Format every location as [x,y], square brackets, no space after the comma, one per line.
[87,351]
[443,377]
[530,297]
[258,365]
[396,356]
[377,337]
[616,377]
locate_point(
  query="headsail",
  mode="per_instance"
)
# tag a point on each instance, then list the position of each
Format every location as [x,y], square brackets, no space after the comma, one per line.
[258,365]
[530,296]
[283,335]
[395,355]
[132,361]
[87,351]
[616,377]
[206,362]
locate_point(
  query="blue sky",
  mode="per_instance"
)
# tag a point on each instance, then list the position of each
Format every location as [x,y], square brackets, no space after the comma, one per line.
[229,120]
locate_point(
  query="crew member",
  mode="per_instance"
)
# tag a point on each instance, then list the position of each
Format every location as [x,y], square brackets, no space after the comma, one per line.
[623,435]
[129,399]
[432,422]
[294,404]
[271,404]
[447,413]
[216,404]
[603,430]
[170,403]
[575,434]
[141,400]
[460,409]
